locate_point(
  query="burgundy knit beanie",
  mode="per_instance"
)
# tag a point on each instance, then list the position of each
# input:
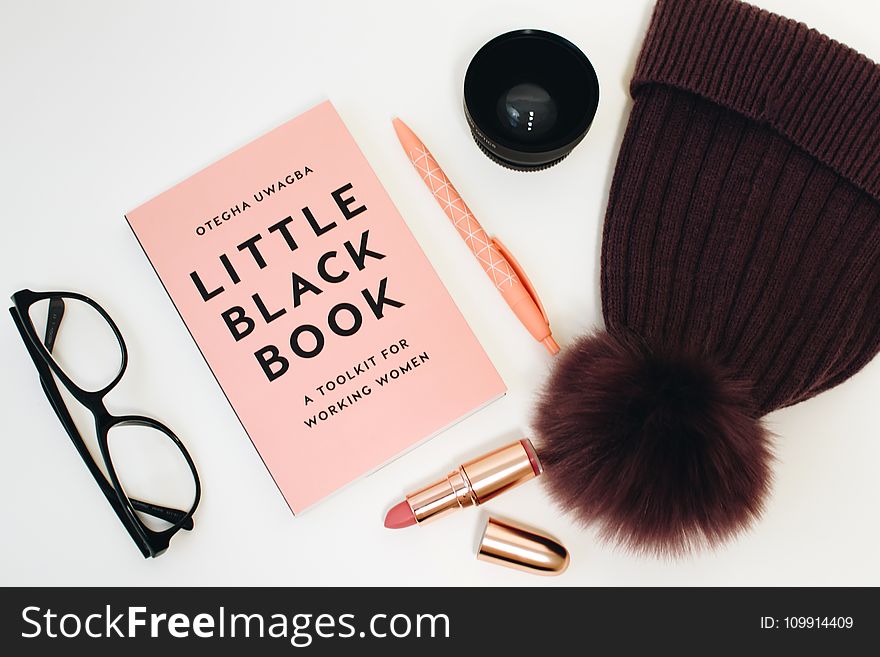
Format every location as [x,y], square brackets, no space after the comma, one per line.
[740,273]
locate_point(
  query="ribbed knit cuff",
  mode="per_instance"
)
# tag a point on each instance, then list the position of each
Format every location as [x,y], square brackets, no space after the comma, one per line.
[821,95]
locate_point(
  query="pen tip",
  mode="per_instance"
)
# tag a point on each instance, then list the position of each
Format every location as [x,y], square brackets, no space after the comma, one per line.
[403,132]
[551,345]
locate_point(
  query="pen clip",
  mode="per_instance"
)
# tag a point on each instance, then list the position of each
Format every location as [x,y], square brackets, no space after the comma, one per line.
[518,270]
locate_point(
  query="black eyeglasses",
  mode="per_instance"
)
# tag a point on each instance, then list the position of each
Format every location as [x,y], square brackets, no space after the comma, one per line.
[49,307]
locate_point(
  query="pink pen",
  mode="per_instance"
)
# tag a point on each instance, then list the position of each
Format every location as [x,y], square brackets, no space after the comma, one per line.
[496,260]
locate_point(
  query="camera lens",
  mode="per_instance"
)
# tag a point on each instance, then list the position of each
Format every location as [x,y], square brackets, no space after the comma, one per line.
[529,98]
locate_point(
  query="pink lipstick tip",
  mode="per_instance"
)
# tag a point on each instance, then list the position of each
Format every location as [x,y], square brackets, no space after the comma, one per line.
[399,516]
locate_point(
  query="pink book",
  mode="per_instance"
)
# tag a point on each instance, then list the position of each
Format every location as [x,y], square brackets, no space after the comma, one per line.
[321,318]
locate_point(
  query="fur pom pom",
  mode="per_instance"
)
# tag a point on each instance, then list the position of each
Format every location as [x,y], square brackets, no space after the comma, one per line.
[662,450]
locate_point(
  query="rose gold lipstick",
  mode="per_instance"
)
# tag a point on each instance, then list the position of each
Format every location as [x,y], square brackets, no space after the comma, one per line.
[472,484]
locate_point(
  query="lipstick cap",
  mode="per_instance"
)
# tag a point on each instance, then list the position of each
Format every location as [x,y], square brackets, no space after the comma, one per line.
[511,545]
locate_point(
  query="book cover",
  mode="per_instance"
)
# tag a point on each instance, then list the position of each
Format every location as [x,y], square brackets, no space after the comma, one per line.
[325,325]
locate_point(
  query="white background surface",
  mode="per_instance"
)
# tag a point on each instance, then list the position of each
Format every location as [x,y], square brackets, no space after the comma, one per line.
[106,104]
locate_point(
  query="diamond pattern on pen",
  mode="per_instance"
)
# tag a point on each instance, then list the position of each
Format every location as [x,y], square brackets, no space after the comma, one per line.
[458,212]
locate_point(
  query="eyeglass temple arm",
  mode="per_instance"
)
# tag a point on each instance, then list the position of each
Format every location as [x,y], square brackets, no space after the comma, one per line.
[162,512]
[53,323]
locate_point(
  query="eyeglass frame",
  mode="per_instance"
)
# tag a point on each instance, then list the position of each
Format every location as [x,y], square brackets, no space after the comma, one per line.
[152,543]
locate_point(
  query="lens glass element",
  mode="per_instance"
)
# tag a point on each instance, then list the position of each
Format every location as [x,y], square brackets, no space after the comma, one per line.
[527,111]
